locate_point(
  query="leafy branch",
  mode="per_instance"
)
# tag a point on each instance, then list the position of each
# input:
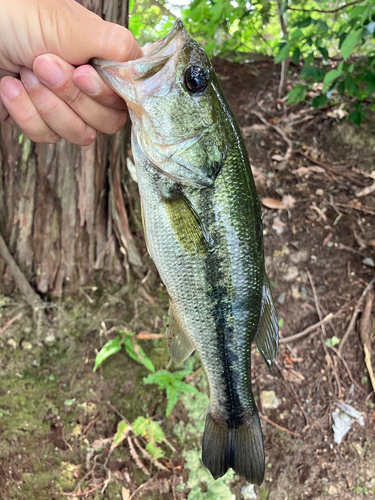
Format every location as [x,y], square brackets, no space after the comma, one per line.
[331,11]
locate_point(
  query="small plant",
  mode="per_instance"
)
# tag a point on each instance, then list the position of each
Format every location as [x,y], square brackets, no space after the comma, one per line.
[133,349]
[172,383]
[152,433]
[332,342]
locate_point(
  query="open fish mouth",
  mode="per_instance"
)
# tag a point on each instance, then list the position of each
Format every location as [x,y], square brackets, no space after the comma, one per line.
[160,56]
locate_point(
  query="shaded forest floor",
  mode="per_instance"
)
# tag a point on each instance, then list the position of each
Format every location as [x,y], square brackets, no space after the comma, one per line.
[58,418]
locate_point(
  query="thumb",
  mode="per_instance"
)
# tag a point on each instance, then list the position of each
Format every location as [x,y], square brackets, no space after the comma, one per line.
[77,35]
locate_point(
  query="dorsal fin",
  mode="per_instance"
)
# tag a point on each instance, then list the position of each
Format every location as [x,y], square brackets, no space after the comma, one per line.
[179,345]
[267,337]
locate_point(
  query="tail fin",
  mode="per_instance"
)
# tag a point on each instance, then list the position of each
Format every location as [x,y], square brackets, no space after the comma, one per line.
[241,449]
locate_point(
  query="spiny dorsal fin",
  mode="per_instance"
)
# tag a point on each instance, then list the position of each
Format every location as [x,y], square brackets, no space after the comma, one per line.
[187,225]
[179,345]
[267,338]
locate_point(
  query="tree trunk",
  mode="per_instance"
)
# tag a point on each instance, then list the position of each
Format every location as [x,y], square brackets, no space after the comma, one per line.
[63,210]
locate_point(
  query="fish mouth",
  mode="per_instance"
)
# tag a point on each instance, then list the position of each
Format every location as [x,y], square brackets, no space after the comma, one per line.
[160,55]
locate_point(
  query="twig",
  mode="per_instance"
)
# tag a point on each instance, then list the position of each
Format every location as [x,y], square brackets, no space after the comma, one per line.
[190,377]
[173,491]
[307,330]
[149,336]
[279,426]
[347,369]
[10,322]
[366,332]
[278,130]
[137,490]
[331,11]
[24,286]
[135,457]
[356,311]
[323,332]
[147,456]
[291,388]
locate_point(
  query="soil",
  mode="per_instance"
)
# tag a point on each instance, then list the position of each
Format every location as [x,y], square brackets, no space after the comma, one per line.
[58,418]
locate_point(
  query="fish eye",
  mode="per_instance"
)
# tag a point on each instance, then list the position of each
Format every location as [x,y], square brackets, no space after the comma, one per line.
[196,79]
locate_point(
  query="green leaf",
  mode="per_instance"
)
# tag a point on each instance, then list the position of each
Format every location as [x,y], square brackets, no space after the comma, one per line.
[217,10]
[296,55]
[350,85]
[370,83]
[283,52]
[296,34]
[172,398]
[324,52]
[304,22]
[349,43]
[123,429]
[320,101]
[330,77]
[297,94]
[357,11]
[312,72]
[332,341]
[356,117]
[111,347]
[136,352]
[309,59]
[323,25]
[154,450]
[152,432]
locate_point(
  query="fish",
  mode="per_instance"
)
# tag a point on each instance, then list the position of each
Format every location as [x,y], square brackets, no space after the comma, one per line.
[203,229]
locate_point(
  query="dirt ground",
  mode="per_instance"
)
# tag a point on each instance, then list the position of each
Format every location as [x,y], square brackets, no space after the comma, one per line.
[58,418]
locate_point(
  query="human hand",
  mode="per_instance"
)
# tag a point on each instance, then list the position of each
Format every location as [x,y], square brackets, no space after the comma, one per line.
[43,41]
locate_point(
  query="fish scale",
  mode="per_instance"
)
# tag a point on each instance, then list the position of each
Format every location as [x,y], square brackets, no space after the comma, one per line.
[203,229]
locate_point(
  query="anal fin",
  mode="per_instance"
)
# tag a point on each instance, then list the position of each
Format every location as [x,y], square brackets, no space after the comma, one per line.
[179,345]
[267,337]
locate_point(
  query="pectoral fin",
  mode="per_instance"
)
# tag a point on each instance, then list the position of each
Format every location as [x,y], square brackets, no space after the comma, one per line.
[187,225]
[144,225]
[267,338]
[179,345]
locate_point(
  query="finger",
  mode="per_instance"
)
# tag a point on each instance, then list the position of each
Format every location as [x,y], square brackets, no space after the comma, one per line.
[4,72]
[88,80]
[56,113]
[3,112]
[56,74]
[23,113]
[94,38]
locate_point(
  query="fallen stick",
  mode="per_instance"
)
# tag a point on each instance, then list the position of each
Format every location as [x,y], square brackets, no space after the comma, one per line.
[24,286]
[366,329]
[357,310]
[278,130]
[307,330]
[279,426]
[10,322]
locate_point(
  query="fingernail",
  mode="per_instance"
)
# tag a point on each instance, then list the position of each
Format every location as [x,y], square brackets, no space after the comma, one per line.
[29,78]
[49,70]
[86,81]
[11,87]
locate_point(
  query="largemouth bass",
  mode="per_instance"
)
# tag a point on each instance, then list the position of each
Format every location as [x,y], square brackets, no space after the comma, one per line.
[203,229]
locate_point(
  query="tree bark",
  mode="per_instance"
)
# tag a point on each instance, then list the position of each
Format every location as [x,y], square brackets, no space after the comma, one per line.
[63,211]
